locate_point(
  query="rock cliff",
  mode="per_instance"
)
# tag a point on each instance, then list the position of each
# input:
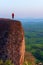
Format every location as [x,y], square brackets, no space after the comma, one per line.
[12,43]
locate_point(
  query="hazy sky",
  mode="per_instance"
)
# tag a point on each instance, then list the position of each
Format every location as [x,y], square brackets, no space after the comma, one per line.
[21,8]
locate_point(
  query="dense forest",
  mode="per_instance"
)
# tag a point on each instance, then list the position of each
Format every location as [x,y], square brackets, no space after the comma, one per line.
[33,32]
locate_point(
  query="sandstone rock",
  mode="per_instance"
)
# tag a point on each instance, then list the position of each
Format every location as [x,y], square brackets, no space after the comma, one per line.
[12,43]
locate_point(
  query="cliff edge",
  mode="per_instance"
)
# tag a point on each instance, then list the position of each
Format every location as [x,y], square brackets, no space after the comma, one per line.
[12,43]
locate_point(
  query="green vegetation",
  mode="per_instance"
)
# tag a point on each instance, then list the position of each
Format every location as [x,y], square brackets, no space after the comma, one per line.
[7,62]
[27,63]
[34,39]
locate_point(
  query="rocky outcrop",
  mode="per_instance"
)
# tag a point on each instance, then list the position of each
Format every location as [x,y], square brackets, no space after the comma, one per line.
[29,58]
[12,43]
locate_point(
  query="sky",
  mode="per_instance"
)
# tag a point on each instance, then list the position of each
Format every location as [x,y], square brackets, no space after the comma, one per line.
[21,8]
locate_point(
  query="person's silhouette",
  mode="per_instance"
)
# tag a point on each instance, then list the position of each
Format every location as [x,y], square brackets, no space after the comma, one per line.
[12,15]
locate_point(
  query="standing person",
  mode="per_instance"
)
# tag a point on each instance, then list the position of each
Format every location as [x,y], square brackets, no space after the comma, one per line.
[13,16]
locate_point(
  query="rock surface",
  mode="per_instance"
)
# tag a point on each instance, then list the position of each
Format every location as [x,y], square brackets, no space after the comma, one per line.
[12,43]
[30,58]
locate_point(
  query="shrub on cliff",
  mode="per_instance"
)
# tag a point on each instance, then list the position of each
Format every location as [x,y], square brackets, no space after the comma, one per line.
[7,62]
[27,63]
